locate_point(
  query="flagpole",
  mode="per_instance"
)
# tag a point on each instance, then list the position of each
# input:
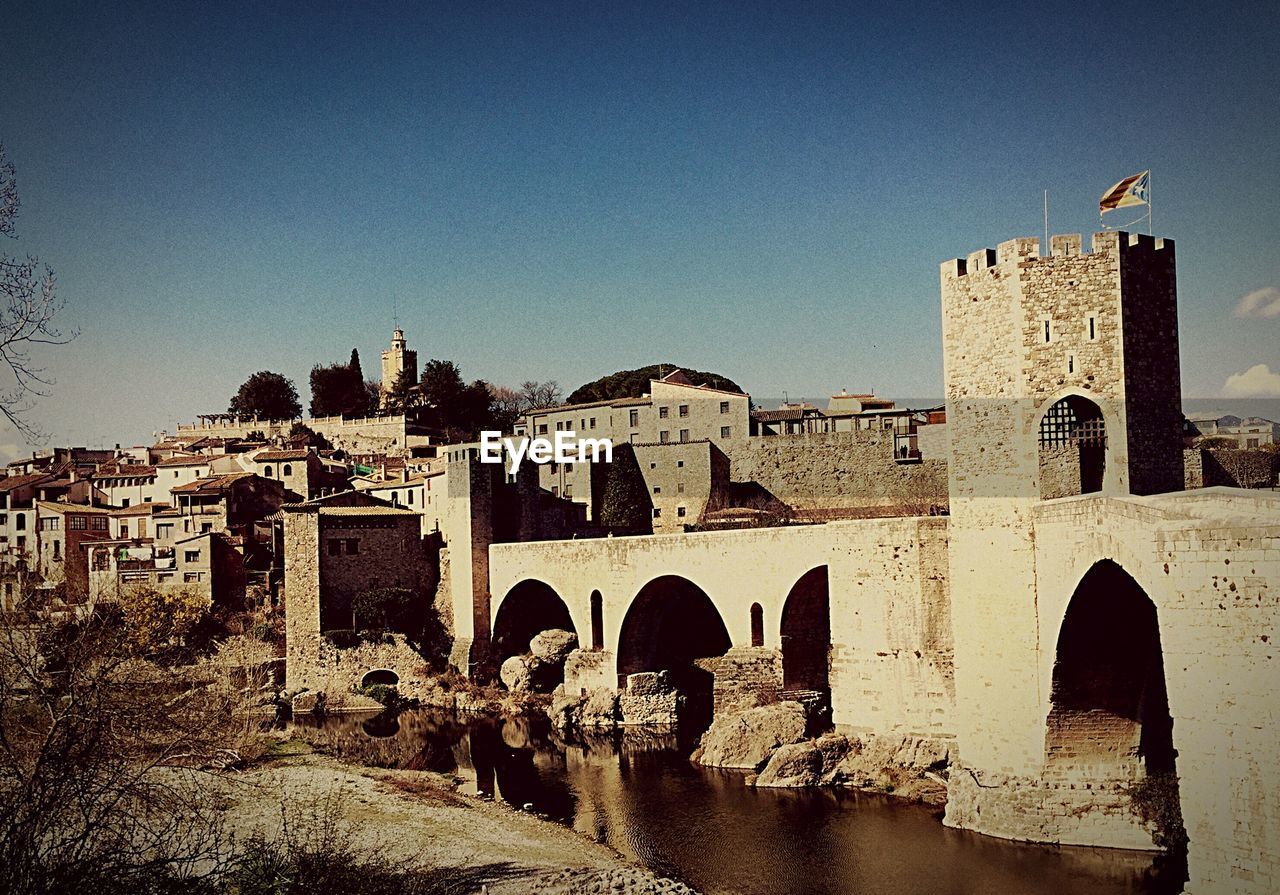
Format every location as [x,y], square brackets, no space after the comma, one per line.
[1150,229]
[1045,251]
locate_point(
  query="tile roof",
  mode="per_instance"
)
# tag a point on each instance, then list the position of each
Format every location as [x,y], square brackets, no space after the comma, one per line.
[365,511]
[124,471]
[774,416]
[17,481]
[140,509]
[212,484]
[56,507]
[184,461]
[273,456]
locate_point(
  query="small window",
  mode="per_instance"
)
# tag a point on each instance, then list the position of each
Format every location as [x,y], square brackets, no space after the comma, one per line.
[724,406]
[634,438]
[635,417]
[124,503]
[657,489]
[724,431]
[4,518]
[542,428]
[555,490]
[664,436]
[99,523]
[680,464]
[124,530]
[684,409]
[560,426]
[266,471]
[57,550]
[680,512]
[657,512]
[1093,328]
[353,546]
[206,527]
[684,434]
[1048,331]
[77,523]
[679,487]
[287,470]
[190,577]
[191,556]
[593,422]
[664,412]
[335,547]
[568,491]
[1071,363]
[409,496]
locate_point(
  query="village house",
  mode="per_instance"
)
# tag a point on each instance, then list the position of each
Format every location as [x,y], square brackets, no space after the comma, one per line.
[18,515]
[64,530]
[301,471]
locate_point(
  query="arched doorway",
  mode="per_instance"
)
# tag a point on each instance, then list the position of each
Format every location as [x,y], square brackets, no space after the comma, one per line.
[597,620]
[669,626]
[1073,448]
[806,634]
[757,624]
[1109,724]
[528,609]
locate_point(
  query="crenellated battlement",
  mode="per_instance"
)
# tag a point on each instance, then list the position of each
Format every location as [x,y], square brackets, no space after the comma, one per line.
[1026,249]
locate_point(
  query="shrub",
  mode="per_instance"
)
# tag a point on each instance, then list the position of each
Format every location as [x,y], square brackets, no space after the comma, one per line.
[342,638]
[388,609]
[158,621]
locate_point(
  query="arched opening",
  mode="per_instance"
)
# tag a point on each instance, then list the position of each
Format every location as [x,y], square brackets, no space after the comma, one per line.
[671,626]
[287,470]
[806,634]
[597,620]
[380,676]
[1073,448]
[1109,723]
[529,608]
[757,624]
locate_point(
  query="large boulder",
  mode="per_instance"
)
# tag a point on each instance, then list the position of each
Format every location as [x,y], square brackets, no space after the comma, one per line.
[747,739]
[516,674]
[599,709]
[553,646]
[795,764]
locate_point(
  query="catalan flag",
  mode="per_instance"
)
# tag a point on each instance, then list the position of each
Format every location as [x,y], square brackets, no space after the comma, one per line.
[1130,191]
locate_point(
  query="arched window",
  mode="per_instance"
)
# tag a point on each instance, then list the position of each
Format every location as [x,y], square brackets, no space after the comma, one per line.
[288,470]
[757,624]
[266,472]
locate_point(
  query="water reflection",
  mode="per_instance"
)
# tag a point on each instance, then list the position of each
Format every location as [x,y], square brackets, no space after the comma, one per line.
[637,792]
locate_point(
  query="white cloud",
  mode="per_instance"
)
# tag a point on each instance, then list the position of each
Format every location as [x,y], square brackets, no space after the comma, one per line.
[10,451]
[1256,382]
[1260,303]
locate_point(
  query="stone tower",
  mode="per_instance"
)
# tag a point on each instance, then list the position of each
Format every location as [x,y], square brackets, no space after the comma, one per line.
[396,359]
[1062,378]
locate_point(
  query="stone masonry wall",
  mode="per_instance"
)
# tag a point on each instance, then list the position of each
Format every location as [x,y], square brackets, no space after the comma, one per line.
[839,470]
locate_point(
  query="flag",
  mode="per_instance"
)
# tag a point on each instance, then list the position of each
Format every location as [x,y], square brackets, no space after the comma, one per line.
[1130,191]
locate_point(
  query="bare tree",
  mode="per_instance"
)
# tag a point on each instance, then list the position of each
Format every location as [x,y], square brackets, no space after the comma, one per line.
[28,306]
[540,394]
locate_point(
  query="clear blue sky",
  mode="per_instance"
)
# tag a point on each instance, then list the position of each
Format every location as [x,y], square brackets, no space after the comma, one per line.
[562,190]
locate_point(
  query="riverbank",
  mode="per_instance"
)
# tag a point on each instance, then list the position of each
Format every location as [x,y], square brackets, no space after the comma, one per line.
[421,816]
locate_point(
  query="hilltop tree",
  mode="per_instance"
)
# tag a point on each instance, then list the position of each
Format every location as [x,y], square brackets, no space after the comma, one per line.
[634,383]
[27,312]
[339,390]
[539,394]
[266,395]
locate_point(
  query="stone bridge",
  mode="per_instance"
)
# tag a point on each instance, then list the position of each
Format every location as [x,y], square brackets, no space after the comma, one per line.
[1103,664]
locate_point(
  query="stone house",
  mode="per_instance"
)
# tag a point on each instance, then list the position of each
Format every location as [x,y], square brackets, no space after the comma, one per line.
[300,471]
[129,484]
[683,479]
[64,532]
[232,502]
[18,515]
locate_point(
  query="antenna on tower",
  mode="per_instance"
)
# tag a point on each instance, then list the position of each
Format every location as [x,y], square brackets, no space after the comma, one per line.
[395,311]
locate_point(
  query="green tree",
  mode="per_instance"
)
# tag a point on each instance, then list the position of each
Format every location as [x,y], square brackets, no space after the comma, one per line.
[339,390]
[626,507]
[634,383]
[402,394]
[266,395]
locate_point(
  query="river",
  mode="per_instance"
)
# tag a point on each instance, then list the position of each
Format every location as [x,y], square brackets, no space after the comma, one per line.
[638,793]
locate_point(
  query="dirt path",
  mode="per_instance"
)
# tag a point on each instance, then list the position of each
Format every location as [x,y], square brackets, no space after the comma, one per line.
[419,815]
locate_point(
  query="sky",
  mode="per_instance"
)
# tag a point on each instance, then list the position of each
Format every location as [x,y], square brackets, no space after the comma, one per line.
[561,190]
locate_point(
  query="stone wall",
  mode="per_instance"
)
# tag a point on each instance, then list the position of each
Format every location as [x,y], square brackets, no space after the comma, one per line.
[1205,468]
[1059,471]
[833,470]
[746,677]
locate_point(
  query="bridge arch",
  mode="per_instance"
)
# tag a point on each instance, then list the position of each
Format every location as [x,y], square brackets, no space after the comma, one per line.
[670,624]
[1074,451]
[530,607]
[806,633]
[1109,718]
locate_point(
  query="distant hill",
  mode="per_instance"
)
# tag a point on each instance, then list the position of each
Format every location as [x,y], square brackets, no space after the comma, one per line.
[634,383]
